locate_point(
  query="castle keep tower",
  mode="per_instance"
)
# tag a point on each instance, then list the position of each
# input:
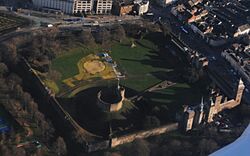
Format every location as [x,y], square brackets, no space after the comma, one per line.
[111,99]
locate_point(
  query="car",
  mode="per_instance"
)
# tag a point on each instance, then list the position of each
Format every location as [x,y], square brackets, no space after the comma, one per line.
[149,14]
[184,30]
[185,49]
[36,143]
[217,123]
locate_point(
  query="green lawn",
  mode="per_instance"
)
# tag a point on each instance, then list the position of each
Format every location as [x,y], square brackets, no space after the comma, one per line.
[140,64]
[147,65]
[66,64]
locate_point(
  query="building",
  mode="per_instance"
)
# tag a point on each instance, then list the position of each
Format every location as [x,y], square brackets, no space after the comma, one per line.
[238,57]
[242,30]
[75,6]
[122,8]
[164,3]
[84,6]
[103,6]
[141,7]
[111,99]
[65,6]
[205,112]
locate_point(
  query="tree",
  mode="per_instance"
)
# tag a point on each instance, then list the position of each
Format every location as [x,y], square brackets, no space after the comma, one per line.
[25,99]
[10,53]
[59,147]
[103,36]
[47,129]
[32,108]
[151,122]
[17,91]
[87,38]
[18,151]
[112,154]
[5,151]
[38,117]
[54,75]
[139,147]
[2,139]
[118,33]
[207,146]
[3,69]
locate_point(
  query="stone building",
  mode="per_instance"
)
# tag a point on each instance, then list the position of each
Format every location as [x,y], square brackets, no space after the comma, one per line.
[141,7]
[123,8]
[111,99]
[205,112]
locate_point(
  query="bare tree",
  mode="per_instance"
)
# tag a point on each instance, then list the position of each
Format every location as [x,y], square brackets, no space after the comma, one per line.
[10,53]
[18,151]
[3,69]
[5,151]
[207,146]
[103,36]
[118,33]
[59,147]
[138,147]
[151,121]
[54,75]
[87,38]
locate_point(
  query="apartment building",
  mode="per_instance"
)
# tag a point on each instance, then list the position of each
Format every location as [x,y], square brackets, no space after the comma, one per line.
[85,6]
[103,6]
[75,6]
[65,6]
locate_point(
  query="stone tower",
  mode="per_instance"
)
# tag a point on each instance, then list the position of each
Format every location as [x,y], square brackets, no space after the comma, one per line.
[188,118]
[239,92]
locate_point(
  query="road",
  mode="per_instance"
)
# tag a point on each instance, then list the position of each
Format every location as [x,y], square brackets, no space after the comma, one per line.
[195,42]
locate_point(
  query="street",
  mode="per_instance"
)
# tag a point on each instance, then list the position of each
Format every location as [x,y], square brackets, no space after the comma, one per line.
[195,42]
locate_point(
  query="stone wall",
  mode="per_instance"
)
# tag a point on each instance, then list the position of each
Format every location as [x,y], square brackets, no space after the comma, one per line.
[95,146]
[143,134]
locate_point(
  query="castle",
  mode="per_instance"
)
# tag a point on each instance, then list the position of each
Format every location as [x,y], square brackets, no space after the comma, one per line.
[193,116]
[111,99]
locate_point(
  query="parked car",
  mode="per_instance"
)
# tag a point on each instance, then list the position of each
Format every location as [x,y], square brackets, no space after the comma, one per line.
[184,30]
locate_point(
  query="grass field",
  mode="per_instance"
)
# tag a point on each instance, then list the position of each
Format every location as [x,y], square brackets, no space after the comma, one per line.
[80,65]
[150,63]
[66,63]
[143,65]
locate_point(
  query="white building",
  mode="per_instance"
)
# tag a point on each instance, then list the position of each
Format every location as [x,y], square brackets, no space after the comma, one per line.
[165,3]
[242,30]
[104,6]
[85,6]
[142,7]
